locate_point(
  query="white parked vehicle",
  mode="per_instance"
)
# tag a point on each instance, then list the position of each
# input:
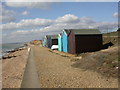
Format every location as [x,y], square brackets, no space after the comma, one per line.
[54,47]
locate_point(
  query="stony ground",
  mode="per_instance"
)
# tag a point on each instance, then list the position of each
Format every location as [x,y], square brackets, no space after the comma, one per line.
[55,71]
[0,74]
[104,61]
[13,69]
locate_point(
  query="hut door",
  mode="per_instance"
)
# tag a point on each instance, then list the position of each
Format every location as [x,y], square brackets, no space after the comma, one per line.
[72,48]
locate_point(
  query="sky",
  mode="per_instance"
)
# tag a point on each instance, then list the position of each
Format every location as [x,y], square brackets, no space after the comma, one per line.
[26,21]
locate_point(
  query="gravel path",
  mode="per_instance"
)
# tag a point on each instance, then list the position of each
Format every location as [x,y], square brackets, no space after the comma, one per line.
[55,71]
[30,79]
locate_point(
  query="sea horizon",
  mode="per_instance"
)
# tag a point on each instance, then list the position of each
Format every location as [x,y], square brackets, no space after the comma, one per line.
[8,47]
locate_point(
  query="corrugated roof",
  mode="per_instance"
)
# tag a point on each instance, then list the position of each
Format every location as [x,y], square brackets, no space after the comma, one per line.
[67,31]
[53,36]
[84,31]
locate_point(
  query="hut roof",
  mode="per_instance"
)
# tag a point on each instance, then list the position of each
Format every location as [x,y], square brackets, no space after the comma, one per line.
[52,36]
[67,31]
[84,31]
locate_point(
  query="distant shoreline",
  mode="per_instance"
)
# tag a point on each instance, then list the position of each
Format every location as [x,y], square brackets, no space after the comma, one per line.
[15,43]
[5,54]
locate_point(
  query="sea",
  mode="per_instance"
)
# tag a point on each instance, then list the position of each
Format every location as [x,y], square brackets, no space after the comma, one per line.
[8,47]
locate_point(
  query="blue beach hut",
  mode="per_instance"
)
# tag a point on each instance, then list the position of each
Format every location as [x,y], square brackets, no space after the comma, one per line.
[44,42]
[60,42]
[65,34]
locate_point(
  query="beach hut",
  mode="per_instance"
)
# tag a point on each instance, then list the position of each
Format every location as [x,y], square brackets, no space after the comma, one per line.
[60,42]
[65,35]
[84,40]
[51,40]
[44,41]
[48,41]
[54,39]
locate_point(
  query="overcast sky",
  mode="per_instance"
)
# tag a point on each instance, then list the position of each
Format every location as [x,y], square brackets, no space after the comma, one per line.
[25,21]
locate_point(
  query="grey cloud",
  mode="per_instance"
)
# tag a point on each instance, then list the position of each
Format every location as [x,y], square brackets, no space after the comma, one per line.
[26,24]
[65,20]
[53,26]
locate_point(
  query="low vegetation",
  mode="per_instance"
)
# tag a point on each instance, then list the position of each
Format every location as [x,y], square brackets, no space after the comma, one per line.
[104,61]
[111,34]
[110,37]
[36,42]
